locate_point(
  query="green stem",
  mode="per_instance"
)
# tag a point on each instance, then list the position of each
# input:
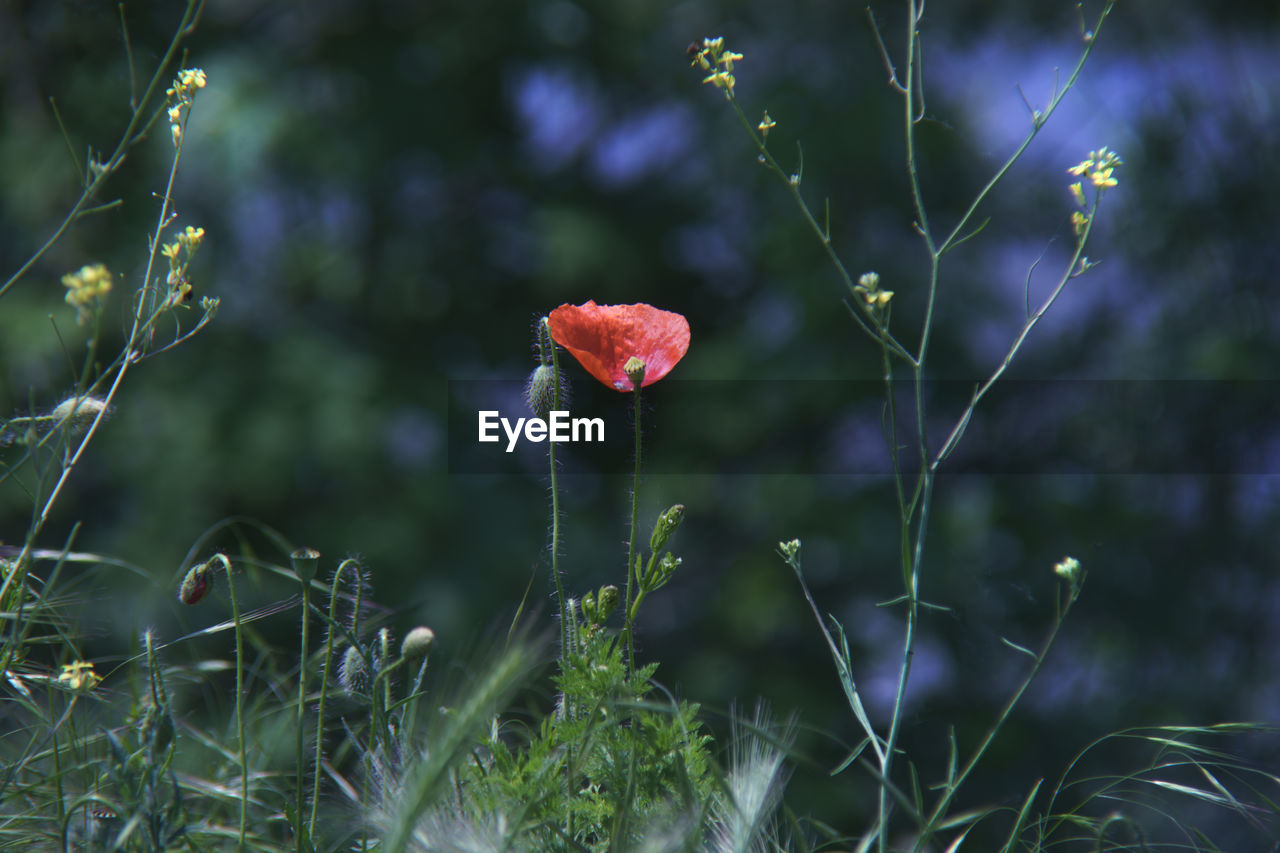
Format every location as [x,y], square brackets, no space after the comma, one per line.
[555,495]
[324,694]
[302,699]
[240,735]
[631,540]
[944,802]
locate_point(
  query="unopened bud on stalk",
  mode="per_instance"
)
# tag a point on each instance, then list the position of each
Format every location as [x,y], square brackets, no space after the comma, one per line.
[666,568]
[352,670]
[540,390]
[607,602]
[417,643]
[196,585]
[666,525]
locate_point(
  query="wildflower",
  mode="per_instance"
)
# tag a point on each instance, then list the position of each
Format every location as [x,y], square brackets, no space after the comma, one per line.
[79,676]
[603,338]
[86,287]
[1099,166]
[714,58]
[1102,178]
[722,80]
[186,83]
[1078,222]
[868,287]
[1068,568]
[1077,193]
[191,237]
[766,124]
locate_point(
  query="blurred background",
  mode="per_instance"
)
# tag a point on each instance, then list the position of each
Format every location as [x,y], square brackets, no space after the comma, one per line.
[394,192]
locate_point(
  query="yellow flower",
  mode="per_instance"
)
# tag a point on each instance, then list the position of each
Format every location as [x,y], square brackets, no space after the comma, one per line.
[766,124]
[192,237]
[1078,222]
[85,286]
[79,676]
[722,79]
[192,78]
[1102,178]
[728,58]
[1080,168]
[1077,193]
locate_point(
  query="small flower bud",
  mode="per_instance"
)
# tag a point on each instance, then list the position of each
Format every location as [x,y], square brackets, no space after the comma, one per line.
[607,603]
[634,368]
[417,643]
[352,670]
[305,561]
[1068,568]
[666,525]
[540,390]
[666,568]
[790,551]
[196,585]
[589,607]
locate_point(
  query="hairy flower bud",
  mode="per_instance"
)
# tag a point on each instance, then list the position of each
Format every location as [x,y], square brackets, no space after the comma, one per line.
[196,585]
[540,391]
[417,643]
[352,670]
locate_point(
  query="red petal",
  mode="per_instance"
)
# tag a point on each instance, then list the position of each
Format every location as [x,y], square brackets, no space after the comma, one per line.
[603,337]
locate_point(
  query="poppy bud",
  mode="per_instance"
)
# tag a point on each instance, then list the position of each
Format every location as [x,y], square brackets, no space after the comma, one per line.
[667,524]
[540,390]
[196,584]
[352,670]
[305,561]
[634,368]
[417,643]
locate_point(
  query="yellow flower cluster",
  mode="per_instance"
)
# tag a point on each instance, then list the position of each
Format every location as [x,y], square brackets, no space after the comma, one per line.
[868,287]
[85,289]
[1099,166]
[713,57]
[182,94]
[179,254]
[79,676]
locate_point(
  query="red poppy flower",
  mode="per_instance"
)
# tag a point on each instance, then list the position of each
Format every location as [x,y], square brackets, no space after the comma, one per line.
[604,337]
